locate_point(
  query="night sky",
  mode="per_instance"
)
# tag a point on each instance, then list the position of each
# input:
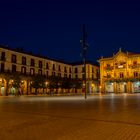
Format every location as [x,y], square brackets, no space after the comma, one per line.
[53,28]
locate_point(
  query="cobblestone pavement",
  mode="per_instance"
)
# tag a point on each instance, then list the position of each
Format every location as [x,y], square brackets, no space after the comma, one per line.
[108,117]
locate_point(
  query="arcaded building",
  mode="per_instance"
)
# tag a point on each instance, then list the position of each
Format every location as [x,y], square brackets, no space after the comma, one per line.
[27,65]
[120,73]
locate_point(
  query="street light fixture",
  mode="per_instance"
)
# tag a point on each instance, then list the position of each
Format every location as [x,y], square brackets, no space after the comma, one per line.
[84,47]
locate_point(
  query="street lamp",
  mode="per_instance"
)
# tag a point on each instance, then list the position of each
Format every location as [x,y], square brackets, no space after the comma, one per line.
[84,47]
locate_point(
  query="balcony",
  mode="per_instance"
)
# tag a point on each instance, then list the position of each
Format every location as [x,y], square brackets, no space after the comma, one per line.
[134,66]
[109,68]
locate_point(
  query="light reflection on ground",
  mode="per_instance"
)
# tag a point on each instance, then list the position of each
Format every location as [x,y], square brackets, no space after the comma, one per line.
[70,117]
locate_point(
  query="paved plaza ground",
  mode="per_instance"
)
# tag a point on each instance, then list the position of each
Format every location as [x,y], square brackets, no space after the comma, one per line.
[99,117]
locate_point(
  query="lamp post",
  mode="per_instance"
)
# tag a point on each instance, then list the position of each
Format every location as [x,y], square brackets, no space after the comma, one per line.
[84,47]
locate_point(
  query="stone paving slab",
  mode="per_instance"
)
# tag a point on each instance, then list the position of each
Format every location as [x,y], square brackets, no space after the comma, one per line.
[70,119]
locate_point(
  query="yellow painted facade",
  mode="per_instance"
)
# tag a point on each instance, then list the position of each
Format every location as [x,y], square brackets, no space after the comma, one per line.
[27,64]
[120,73]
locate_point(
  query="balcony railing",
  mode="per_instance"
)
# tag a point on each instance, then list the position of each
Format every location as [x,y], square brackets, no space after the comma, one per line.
[134,66]
[108,68]
[129,79]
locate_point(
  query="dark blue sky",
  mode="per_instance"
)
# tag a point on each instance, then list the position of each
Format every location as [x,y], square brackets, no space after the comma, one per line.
[54,27]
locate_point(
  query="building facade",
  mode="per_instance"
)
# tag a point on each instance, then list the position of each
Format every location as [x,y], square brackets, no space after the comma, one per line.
[92,76]
[27,65]
[120,73]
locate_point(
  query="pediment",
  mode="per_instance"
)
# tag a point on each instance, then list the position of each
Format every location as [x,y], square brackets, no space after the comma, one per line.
[120,57]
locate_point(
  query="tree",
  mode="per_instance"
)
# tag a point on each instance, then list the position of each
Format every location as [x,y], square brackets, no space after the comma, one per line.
[54,83]
[38,82]
[77,84]
[16,82]
[66,83]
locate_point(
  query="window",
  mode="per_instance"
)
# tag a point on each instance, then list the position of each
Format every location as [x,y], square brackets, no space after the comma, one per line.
[47,65]
[134,62]
[83,69]
[108,65]
[108,75]
[92,70]
[76,70]
[32,62]
[121,75]
[23,60]
[23,70]
[92,76]
[14,68]
[39,72]
[97,73]
[53,73]
[3,56]
[2,67]
[53,66]
[135,74]
[32,71]
[65,75]
[40,64]
[59,74]
[65,70]
[69,70]
[47,73]
[59,68]
[69,75]
[76,76]
[14,58]
[83,76]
